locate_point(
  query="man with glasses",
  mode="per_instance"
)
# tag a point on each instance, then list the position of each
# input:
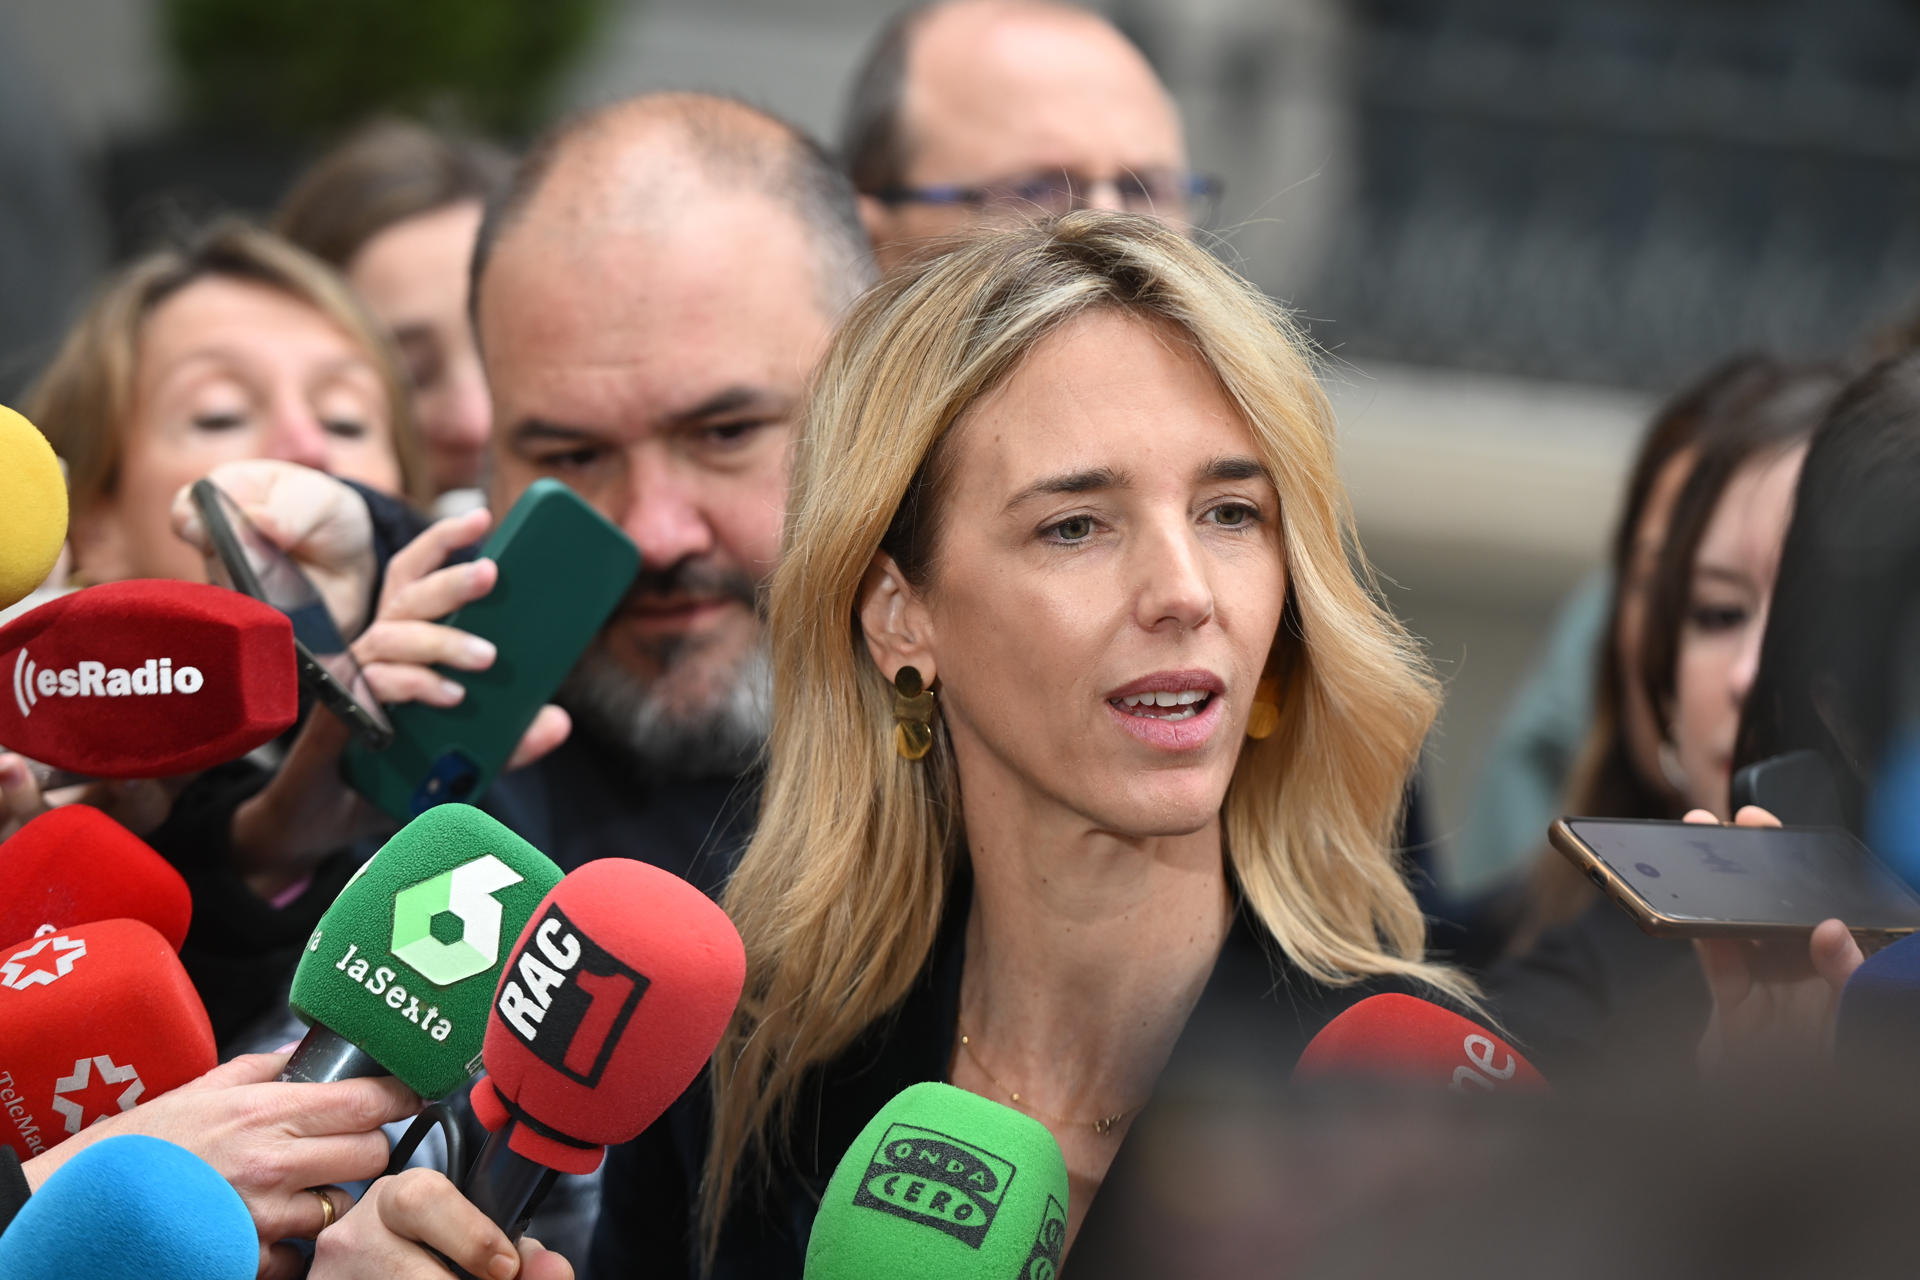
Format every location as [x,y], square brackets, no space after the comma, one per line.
[970,111]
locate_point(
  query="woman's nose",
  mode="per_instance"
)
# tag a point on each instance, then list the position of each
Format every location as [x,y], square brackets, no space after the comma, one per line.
[1747,664]
[295,435]
[1173,587]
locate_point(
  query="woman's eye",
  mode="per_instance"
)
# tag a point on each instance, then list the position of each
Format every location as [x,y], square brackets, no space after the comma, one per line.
[344,428]
[1072,529]
[218,421]
[1711,617]
[1233,515]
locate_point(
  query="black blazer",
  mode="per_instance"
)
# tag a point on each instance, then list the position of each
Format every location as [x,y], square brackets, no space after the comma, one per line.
[1256,1005]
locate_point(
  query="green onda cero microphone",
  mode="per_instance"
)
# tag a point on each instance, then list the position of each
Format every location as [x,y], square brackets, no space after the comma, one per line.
[943,1183]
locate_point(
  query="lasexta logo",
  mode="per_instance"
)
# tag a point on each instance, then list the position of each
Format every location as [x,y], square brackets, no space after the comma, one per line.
[937,1181]
[42,963]
[448,926]
[98,1086]
[568,998]
[152,678]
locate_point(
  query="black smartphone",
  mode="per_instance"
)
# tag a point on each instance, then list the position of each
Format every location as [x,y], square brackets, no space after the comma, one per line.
[1679,879]
[245,560]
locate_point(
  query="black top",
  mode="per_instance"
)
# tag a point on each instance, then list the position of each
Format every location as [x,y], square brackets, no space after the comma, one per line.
[1255,1002]
[1597,999]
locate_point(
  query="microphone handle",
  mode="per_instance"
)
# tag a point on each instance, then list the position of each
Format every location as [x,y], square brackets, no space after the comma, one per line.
[505,1185]
[324,1056]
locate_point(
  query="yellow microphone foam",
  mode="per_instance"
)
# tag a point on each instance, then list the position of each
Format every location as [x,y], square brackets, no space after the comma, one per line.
[33,507]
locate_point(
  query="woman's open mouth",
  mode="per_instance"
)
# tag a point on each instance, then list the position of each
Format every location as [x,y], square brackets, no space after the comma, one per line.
[1164,704]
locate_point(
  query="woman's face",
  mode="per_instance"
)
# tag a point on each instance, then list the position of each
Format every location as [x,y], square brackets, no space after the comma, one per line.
[1107,582]
[413,276]
[1733,573]
[229,370]
[1639,727]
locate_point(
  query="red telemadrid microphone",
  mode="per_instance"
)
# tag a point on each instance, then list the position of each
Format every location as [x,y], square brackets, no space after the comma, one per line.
[146,679]
[611,1003]
[93,1020]
[74,865]
[1398,1037]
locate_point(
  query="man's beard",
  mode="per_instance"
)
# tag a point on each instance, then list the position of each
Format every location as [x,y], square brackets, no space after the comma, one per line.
[717,738]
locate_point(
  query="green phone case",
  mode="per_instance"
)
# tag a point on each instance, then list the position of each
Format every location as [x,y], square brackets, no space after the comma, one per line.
[563,570]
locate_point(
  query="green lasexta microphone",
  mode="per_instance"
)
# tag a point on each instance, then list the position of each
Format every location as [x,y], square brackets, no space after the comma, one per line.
[398,976]
[943,1183]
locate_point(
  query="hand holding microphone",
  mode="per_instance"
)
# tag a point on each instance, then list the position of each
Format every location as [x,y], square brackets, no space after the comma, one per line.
[279,1145]
[609,1004]
[386,1237]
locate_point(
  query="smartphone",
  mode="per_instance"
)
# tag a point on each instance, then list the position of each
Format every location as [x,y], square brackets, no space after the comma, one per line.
[564,568]
[1684,880]
[247,561]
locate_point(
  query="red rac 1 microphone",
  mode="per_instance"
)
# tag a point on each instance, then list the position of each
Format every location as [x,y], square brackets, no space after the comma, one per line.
[146,679]
[611,1002]
[1400,1038]
[74,865]
[93,1021]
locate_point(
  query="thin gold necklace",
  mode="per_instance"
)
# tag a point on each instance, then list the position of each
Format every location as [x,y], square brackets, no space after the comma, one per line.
[1101,1126]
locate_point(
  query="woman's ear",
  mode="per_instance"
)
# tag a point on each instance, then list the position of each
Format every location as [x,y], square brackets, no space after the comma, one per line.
[894,620]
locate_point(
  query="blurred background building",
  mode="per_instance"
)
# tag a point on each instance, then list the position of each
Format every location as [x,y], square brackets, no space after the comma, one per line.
[1512,224]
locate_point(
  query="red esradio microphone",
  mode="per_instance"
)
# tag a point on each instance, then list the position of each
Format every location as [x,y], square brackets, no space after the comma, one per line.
[146,679]
[1403,1039]
[74,865]
[93,1021]
[610,1004]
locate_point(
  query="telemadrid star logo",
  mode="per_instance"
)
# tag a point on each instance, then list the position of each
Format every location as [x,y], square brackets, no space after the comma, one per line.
[73,1112]
[28,967]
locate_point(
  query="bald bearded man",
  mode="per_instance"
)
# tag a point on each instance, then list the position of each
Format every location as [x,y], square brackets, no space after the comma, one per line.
[973,110]
[649,297]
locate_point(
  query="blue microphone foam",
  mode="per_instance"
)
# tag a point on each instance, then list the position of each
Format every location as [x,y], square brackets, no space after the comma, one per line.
[1880,1008]
[132,1206]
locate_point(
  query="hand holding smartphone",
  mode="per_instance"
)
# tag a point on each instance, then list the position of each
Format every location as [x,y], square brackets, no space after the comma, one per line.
[247,561]
[562,570]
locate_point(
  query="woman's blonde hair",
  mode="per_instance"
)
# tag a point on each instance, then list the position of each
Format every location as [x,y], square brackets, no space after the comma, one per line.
[83,398]
[841,892]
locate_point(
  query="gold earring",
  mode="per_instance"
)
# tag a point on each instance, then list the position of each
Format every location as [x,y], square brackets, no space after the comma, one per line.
[912,714]
[1264,718]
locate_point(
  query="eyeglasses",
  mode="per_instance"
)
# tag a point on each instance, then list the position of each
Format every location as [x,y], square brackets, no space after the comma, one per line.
[1191,198]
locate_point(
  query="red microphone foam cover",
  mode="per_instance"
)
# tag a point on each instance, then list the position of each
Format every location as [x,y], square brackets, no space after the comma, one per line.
[610,1004]
[145,679]
[1402,1038]
[93,1020]
[74,864]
